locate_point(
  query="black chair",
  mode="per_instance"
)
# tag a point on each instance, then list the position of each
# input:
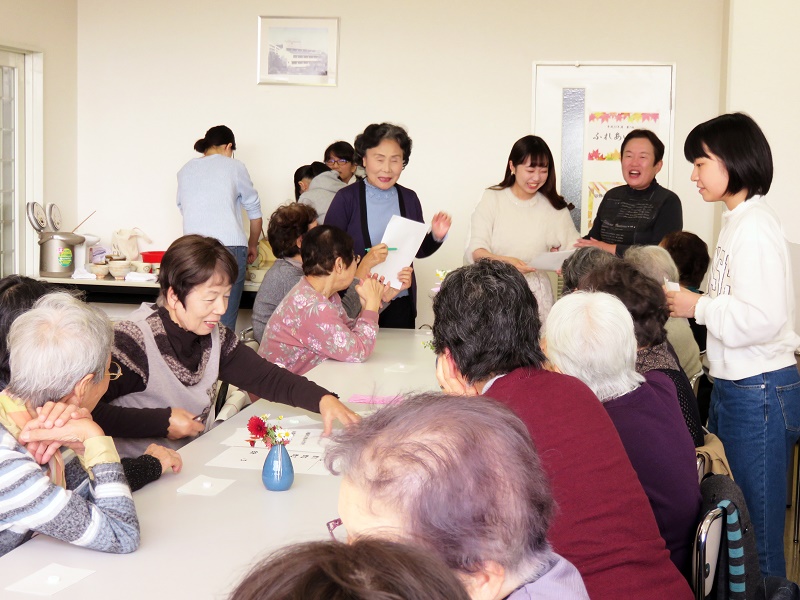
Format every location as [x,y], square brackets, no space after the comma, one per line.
[737,575]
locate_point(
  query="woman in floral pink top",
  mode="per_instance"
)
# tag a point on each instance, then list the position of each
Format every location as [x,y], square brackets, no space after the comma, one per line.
[310,323]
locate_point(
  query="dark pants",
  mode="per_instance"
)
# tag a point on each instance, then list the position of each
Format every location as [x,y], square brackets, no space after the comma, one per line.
[399,314]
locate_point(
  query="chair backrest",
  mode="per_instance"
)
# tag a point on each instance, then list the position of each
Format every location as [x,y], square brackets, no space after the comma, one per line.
[247,338]
[695,381]
[701,467]
[707,546]
[738,574]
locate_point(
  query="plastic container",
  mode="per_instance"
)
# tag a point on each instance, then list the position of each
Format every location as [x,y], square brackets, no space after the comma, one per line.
[153,256]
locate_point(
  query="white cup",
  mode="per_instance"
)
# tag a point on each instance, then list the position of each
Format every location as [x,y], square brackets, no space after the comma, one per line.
[141,267]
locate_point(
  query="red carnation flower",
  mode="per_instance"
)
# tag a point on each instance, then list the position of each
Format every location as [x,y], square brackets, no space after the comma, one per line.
[257,427]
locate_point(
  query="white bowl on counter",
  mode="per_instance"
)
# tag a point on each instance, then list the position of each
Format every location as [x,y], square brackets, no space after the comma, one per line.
[119,271]
[99,270]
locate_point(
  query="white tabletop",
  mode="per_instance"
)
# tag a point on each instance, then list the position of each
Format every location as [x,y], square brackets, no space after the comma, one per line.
[200,547]
[400,363]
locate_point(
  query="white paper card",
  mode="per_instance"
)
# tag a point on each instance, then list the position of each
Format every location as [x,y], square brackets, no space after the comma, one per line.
[240,437]
[309,463]
[202,485]
[551,261]
[672,286]
[238,457]
[307,438]
[405,235]
[49,580]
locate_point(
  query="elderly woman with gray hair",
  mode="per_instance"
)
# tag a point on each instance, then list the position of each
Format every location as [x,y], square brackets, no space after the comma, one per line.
[644,298]
[414,472]
[581,262]
[591,336]
[656,262]
[60,354]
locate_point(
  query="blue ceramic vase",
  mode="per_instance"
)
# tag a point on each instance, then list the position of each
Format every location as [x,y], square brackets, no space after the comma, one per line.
[278,472]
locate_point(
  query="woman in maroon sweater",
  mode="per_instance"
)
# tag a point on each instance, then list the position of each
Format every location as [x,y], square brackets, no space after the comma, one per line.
[486,335]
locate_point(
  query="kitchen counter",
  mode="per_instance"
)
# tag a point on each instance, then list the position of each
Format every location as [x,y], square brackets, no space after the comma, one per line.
[115,291]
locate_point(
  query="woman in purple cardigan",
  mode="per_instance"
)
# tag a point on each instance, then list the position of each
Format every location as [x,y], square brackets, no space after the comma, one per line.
[590,335]
[364,209]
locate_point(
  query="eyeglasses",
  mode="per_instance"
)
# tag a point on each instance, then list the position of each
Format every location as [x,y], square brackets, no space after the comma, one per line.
[332,162]
[337,531]
[117,371]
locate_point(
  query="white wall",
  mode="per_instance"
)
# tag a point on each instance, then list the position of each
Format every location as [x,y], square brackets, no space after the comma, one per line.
[762,81]
[51,28]
[154,75]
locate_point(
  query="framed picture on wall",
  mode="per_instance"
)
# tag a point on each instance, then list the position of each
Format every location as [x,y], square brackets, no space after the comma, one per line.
[298,50]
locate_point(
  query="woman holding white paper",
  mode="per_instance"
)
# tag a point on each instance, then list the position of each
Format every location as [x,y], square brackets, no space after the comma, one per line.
[365,208]
[310,324]
[523,216]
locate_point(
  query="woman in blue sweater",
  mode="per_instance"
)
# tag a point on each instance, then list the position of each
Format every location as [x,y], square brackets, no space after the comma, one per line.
[212,191]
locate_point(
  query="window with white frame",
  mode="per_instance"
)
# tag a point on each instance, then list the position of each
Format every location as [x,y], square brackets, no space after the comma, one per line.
[12,180]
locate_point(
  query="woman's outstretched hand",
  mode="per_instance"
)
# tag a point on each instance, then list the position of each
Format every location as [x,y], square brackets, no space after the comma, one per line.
[331,409]
[440,225]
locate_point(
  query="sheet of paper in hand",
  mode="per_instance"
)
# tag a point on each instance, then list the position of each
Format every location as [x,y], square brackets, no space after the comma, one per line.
[551,261]
[405,235]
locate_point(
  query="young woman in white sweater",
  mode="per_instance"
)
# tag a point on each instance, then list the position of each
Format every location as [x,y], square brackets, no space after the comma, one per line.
[523,216]
[749,313]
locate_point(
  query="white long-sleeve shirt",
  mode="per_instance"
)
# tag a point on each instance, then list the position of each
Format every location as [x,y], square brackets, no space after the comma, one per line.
[749,307]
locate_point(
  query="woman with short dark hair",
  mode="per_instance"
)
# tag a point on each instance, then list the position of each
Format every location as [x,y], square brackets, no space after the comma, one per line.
[173,353]
[287,227]
[365,208]
[310,324]
[340,156]
[749,312]
[486,336]
[285,231]
[690,254]
[367,569]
